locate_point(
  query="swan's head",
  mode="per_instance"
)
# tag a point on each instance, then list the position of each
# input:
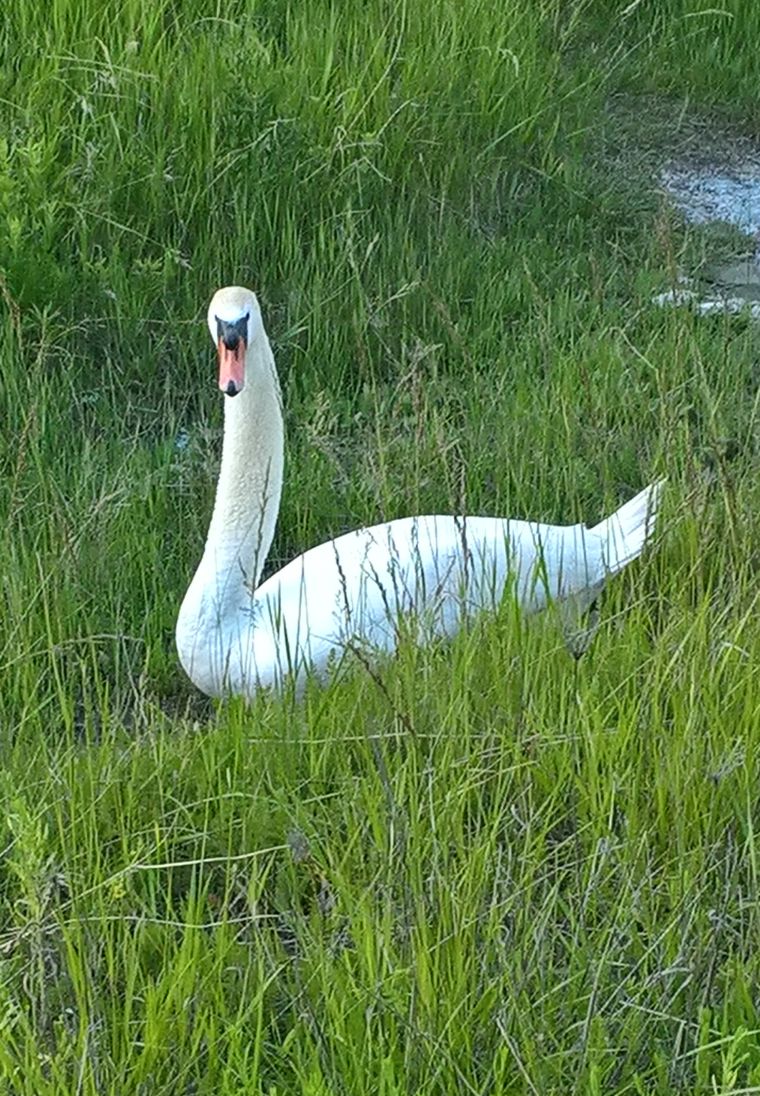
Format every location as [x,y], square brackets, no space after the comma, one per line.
[234,320]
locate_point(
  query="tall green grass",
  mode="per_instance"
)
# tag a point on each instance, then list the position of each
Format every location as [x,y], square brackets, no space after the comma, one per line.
[691,47]
[485,867]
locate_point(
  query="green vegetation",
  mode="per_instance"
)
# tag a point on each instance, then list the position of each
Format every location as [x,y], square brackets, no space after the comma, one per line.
[479,868]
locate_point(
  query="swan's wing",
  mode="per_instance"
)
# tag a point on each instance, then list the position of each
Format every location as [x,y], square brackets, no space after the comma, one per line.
[439,570]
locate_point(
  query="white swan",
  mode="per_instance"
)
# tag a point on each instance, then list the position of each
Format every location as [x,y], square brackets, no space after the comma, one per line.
[234,636]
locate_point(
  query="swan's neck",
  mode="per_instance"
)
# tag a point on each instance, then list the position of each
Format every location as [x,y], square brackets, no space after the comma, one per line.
[249,487]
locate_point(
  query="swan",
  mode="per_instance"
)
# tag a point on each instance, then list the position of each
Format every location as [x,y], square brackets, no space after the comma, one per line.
[235,636]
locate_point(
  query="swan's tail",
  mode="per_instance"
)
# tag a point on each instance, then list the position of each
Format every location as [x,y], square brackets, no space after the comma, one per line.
[626,531]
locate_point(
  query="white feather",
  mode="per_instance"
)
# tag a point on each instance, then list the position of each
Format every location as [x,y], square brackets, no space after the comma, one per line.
[434,571]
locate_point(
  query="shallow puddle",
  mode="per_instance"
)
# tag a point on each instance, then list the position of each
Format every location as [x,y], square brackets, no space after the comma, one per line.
[727,194]
[705,194]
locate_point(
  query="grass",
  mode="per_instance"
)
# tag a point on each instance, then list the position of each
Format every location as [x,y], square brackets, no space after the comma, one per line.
[486,867]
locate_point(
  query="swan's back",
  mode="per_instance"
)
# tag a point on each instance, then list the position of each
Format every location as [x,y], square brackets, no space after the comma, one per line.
[438,570]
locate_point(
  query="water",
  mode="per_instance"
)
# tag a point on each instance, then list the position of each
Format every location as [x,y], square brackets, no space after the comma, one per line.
[705,194]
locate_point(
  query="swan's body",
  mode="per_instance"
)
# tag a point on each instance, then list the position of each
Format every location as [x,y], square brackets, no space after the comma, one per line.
[234,636]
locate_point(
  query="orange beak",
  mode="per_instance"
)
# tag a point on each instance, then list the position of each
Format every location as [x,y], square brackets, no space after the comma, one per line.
[231,368]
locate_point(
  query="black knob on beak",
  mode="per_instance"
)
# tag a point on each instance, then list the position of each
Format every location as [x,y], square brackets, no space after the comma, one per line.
[232,331]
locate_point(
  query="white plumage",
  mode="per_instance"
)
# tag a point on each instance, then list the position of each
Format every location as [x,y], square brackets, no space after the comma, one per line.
[434,572]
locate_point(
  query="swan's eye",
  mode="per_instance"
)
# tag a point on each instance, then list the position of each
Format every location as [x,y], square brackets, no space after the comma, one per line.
[230,332]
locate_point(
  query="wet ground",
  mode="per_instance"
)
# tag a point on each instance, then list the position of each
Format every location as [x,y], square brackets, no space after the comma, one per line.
[728,193]
[716,182]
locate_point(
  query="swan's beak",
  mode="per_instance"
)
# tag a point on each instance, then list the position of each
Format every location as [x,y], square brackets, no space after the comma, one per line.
[231,367]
